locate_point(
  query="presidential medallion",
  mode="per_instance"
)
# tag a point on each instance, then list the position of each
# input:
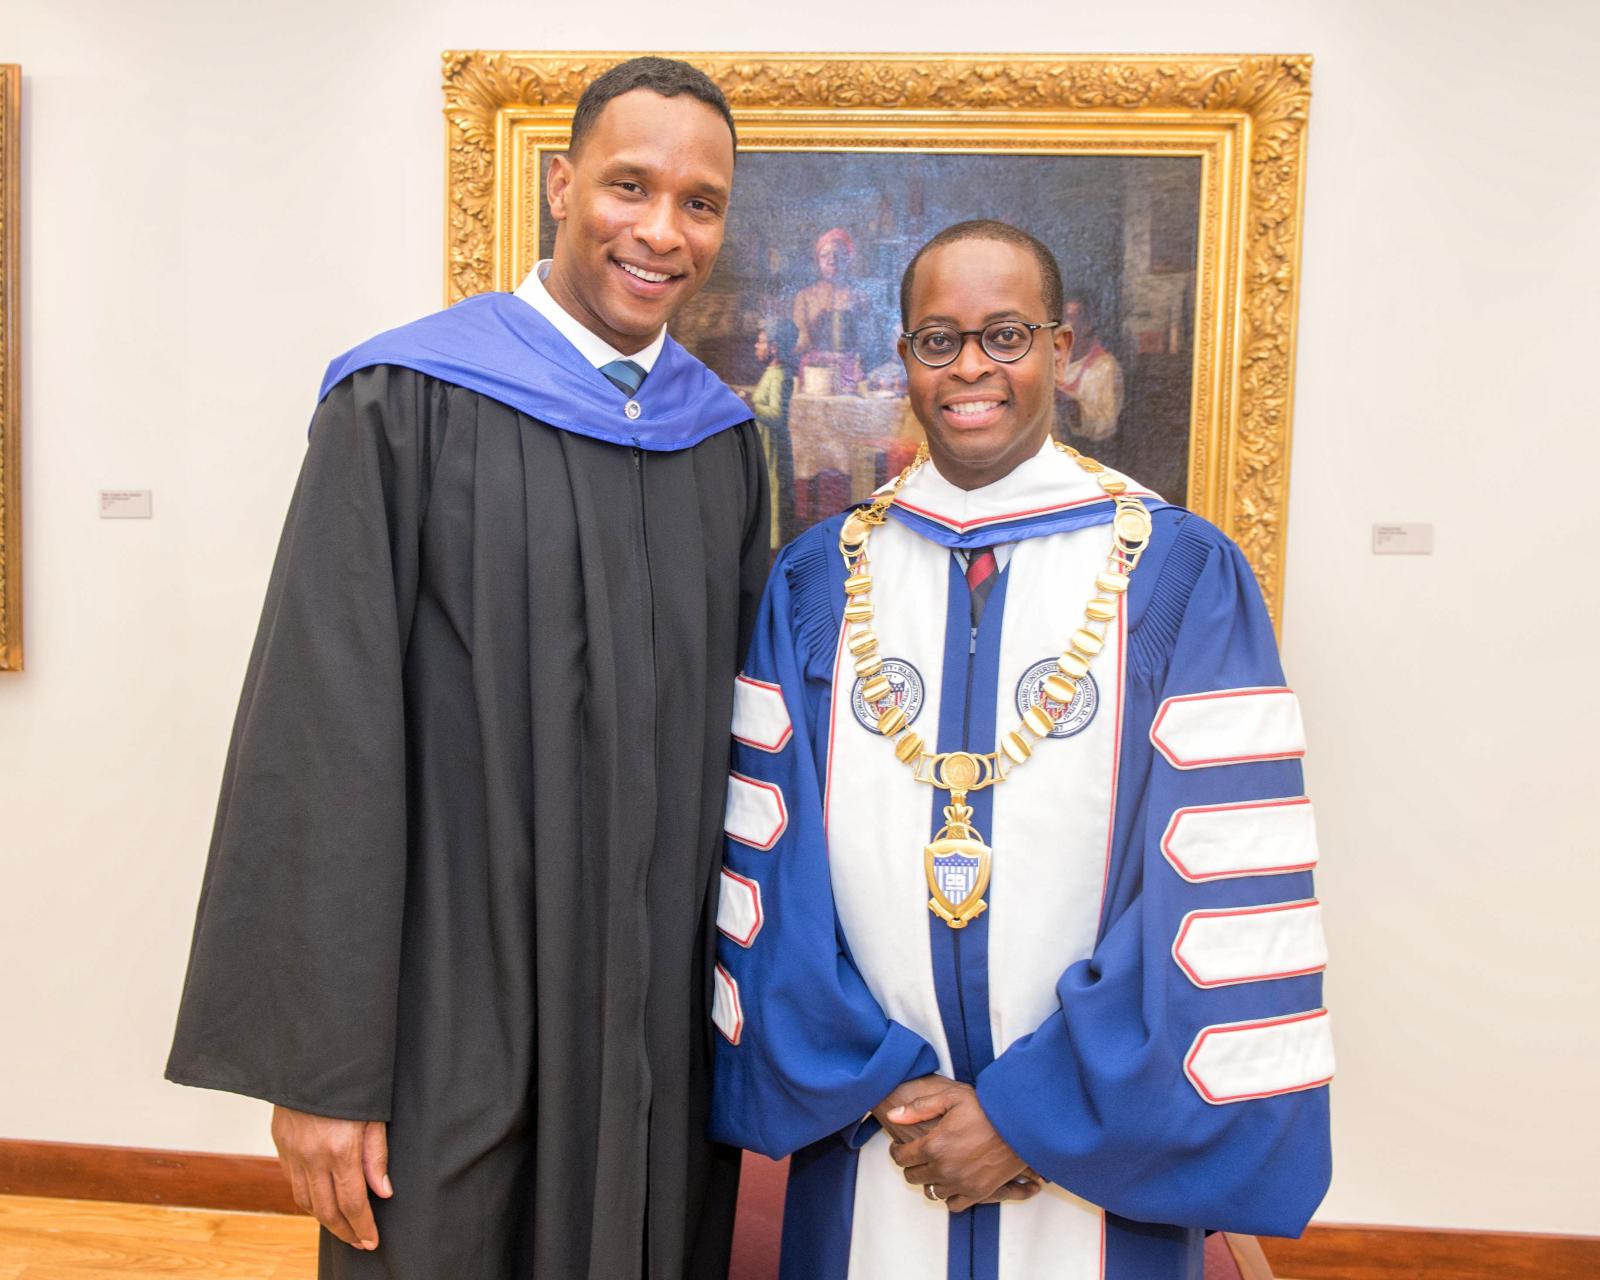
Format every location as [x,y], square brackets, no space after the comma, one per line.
[957,866]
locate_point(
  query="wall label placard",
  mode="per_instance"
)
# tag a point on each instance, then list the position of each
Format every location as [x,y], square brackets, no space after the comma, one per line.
[125,504]
[1402,539]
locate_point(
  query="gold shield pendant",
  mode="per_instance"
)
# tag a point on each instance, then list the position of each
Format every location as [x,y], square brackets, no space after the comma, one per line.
[957,866]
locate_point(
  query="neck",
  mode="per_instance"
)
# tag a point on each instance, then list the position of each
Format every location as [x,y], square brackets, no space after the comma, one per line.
[568,299]
[978,475]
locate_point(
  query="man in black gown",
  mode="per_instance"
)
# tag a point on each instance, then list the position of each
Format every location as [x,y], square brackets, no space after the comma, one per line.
[456,923]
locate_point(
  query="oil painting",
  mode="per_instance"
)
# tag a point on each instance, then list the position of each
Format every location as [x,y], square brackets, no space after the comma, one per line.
[1169,188]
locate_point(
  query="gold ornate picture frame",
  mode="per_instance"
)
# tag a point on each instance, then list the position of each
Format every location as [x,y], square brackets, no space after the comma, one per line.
[10,369]
[1239,123]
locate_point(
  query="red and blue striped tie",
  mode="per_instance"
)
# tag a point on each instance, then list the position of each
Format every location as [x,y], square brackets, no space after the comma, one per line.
[982,570]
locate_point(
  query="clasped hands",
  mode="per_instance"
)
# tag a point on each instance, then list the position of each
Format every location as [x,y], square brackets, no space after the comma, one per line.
[943,1140]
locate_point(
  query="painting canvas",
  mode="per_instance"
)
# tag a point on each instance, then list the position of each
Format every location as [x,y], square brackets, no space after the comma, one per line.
[1169,187]
[806,295]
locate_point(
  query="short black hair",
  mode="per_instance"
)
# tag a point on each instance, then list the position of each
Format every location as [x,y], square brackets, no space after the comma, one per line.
[667,76]
[1005,233]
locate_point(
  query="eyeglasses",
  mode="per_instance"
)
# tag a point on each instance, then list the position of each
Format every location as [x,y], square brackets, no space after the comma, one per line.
[1007,341]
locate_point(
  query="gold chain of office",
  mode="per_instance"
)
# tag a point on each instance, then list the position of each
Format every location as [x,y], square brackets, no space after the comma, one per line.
[957,858]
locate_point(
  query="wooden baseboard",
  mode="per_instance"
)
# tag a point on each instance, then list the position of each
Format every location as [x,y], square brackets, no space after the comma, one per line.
[192,1179]
[202,1180]
[1340,1252]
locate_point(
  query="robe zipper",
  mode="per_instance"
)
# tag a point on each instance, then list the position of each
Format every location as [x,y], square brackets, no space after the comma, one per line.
[955,943]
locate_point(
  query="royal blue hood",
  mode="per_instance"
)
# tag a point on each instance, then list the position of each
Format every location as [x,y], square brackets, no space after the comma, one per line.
[499,346]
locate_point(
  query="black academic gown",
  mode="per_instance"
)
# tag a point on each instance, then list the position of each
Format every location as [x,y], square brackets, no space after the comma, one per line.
[463,869]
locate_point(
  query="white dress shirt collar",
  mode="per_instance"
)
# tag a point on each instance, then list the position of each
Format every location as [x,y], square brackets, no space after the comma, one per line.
[593,348]
[999,489]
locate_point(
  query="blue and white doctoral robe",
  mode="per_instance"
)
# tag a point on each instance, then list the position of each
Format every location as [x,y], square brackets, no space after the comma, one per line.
[1139,1008]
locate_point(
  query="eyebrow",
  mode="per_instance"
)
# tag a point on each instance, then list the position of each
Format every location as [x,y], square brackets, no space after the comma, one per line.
[633,169]
[1009,313]
[714,189]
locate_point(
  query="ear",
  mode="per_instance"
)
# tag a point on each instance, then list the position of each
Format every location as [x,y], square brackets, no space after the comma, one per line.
[558,183]
[1063,344]
[902,348]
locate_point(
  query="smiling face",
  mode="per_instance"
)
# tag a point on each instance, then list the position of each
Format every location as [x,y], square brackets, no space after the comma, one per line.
[982,416]
[640,211]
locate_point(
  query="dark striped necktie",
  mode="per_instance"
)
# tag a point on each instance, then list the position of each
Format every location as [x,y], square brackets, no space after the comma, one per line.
[982,570]
[625,374]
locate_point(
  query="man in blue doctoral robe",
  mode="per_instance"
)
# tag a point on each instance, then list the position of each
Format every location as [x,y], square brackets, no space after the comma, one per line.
[456,921]
[1020,957]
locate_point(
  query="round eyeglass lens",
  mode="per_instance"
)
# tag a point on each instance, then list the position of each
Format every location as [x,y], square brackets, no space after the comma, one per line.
[1007,340]
[936,346]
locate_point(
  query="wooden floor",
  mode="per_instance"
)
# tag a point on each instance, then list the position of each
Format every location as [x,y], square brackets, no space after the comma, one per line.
[97,1240]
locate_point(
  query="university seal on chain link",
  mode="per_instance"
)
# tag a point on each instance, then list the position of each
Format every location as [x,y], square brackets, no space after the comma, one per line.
[905,692]
[1070,717]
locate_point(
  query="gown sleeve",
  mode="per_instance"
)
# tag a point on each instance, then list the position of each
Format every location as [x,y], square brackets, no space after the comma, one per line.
[804,1049]
[291,986]
[1182,1079]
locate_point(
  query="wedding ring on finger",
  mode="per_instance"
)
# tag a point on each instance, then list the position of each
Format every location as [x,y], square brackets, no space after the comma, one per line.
[930,1193]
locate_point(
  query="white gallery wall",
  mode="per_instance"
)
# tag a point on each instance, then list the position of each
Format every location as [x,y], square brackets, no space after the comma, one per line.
[219,196]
